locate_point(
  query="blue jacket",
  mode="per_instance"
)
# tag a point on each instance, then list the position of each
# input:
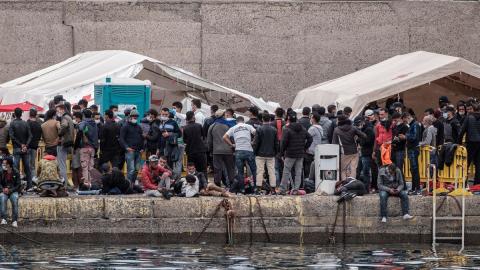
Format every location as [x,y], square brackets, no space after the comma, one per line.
[413,135]
[172,128]
[89,129]
[131,136]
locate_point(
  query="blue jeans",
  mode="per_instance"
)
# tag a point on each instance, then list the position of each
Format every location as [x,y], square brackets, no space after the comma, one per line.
[241,157]
[133,163]
[13,200]
[365,174]
[384,198]
[413,158]
[18,156]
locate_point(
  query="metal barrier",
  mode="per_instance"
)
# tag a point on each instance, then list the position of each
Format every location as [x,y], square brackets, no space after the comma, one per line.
[423,165]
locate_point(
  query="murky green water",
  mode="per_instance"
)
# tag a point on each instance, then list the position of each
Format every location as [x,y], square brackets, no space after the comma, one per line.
[256,256]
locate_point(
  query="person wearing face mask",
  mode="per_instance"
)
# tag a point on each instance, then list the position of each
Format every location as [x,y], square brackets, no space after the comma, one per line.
[229,120]
[194,137]
[88,132]
[316,131]
[21,136]
[461,112]
[383,134]
[66,131]
[170,133]
[9,186]
[412,142]
[399,132]
[153,134]
[109,141]
[471,128]
[451,126]
[50,133]
[75,164]
[132,141]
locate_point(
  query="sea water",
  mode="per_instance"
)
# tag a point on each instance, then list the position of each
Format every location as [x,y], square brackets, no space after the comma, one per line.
[243,256]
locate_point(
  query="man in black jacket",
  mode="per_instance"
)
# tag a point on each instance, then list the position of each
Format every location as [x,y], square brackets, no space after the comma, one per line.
[305,119]
[265,147]
[451,126]
[366,152]
[35,125]
[399,140]
[471,127]
[131,140]
[294,143]
[21,138]
[109,141]
[194,138]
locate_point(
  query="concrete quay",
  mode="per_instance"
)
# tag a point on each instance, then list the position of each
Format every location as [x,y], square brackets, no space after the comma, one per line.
[287,219]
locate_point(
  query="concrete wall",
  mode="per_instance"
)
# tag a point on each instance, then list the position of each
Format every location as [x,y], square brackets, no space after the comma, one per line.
[307,219]
[267,48]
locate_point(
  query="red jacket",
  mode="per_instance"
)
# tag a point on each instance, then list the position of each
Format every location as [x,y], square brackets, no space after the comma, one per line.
[382,135]
[149,175]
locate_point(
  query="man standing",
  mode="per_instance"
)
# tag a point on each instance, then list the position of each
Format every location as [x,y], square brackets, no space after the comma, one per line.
[21,138]
[451,126]
[4,130]
[50,133]
[222,152]
[35,125]
[399,132]
[326,125]
[412,141]
[295,141]
[305,119]
[266,147]
[242,135]
[109,141]
[193,137]
[66,132]
[88,143]
[253,114]
[366,151]
[131,140]
[279,124]
[316,131]
[197,109]
[471,127]
[345,135]
[383,135]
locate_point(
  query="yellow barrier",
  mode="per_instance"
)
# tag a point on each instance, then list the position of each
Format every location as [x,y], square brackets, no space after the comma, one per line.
[423,164]
[457,170]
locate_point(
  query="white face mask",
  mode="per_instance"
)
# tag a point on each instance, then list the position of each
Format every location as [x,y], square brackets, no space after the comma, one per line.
[163,118]
[445,115]
[97,121]
[59,114]
[4,167]
[133,121]
[461,113]
[115,114]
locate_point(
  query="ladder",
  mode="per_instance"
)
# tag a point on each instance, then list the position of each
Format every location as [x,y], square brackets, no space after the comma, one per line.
[436,218]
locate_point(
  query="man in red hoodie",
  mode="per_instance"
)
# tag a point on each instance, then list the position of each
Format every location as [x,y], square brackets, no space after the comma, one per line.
[156,179]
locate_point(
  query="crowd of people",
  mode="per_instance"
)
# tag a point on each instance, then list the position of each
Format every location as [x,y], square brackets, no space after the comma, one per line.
[270,154]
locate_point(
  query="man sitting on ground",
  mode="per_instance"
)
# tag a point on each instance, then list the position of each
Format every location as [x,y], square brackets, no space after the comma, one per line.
[391,183]
[49,181]
[196,183]
[156,179]
[9,186]
[114,182]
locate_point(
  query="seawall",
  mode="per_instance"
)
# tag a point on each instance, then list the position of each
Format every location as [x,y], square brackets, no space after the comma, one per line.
[307,219]
[269,48]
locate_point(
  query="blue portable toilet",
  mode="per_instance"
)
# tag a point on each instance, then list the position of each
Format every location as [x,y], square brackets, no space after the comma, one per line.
[124,92]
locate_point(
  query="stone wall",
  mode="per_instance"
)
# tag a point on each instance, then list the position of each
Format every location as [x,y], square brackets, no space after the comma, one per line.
[267,48]
[289,219]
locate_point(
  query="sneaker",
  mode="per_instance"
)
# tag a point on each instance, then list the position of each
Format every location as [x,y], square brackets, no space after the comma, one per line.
[282,193]
[4,222]
[14,224]
[407,217]
[384,220]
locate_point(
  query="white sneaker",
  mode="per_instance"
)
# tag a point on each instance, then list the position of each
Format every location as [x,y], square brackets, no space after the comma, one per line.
[4,222]
[384,220]
[407,217]
[14,224]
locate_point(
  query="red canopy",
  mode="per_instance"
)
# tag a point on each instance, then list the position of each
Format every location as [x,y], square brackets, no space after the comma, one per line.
[25,106]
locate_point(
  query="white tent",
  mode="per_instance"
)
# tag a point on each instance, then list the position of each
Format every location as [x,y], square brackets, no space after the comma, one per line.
[419,78]
[74,79]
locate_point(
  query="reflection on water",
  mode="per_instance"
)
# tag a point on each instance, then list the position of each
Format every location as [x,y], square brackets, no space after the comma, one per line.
[256,256]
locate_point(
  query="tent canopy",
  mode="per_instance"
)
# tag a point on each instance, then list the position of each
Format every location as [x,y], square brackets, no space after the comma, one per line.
[74,79]
[419,78]
[25,106]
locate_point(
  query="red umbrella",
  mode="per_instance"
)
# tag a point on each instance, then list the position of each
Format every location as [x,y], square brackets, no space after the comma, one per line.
[25,106]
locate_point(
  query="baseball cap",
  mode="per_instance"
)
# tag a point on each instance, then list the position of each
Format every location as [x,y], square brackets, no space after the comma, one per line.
[153,158]
[368,113]
[134,113]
